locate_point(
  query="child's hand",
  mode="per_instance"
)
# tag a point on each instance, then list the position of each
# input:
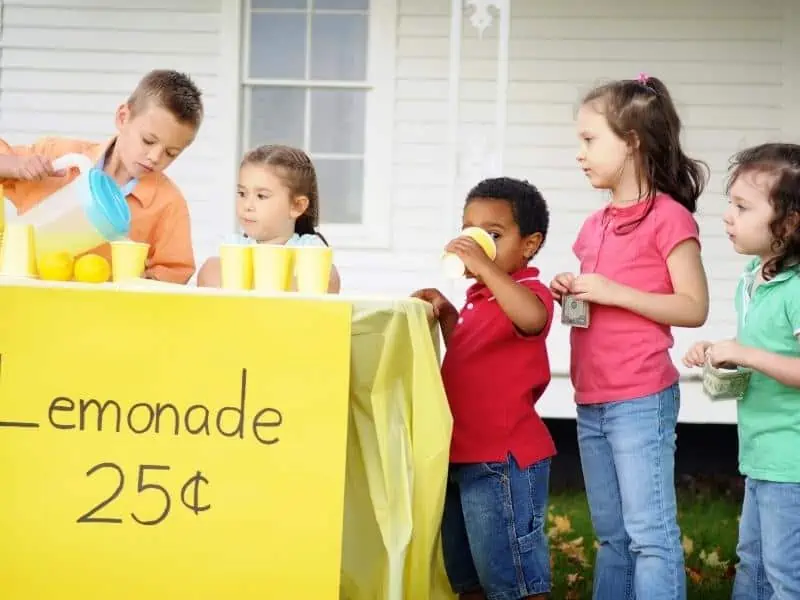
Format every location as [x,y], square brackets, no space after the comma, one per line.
[36,168]
[436,299]
[561,285]
[595,288]
[475,259]
[696,356]
[727,354]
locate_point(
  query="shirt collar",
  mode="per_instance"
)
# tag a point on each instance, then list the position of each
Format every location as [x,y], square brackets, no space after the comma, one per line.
[753,267]
[479,291]
[142,189]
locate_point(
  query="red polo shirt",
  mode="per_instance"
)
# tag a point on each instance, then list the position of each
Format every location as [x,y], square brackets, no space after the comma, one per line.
[493,376]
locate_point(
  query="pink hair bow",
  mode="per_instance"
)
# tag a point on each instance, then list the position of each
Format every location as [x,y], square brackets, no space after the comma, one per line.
[643,78]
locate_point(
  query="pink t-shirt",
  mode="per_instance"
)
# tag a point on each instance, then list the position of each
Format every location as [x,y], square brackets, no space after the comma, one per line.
[622,355]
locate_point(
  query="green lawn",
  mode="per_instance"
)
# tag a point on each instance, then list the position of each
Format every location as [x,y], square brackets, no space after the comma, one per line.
[709,525]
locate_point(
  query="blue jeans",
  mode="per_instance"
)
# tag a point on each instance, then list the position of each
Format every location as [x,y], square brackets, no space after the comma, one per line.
[769,542]
[628,460]
[493,535]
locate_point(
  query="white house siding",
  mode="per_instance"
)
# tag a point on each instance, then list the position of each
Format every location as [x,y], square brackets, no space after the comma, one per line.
[733,69]
[734,72]
[66,65]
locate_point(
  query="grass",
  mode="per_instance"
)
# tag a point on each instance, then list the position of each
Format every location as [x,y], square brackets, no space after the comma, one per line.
[709,526]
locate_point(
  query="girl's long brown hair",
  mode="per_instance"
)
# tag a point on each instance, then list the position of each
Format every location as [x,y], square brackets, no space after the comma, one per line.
[642,110]
[297,172]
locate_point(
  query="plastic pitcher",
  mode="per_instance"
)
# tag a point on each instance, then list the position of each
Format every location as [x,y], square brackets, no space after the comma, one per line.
[84,214]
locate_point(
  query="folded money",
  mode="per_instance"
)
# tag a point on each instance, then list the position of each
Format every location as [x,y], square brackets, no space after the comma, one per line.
[574,312]
[725,384]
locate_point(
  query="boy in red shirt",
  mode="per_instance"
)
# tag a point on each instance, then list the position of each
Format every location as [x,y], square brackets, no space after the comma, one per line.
[495,369]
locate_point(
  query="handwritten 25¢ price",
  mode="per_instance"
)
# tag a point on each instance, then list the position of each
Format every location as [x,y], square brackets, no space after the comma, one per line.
[189,495]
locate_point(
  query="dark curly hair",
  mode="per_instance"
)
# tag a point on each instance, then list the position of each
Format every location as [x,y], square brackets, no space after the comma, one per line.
[782,163]
[527,204]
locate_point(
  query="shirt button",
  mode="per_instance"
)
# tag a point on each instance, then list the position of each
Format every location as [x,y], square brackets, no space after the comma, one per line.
[470,306]
[460,320]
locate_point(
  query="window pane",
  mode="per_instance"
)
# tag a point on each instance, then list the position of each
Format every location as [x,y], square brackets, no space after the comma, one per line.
[337,121]
[341,190]
[279,3]
[340,4]
[277,46]
[276,116]
[339,47]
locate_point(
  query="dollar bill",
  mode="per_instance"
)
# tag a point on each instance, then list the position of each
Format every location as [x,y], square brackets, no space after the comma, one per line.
[725,384]
[574,312]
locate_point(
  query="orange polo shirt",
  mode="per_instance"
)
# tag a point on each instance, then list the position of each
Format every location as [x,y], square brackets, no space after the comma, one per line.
[159,214]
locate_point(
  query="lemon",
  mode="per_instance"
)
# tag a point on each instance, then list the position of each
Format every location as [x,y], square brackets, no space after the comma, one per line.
[56,266]
[92,268]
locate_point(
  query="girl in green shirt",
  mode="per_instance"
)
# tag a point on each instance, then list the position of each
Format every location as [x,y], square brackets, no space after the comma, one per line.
[763,221]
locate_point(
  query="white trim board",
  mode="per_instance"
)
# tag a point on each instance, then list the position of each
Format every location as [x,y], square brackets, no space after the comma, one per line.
[374,231]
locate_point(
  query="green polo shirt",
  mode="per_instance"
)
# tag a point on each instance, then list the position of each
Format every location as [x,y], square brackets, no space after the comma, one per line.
[769,412]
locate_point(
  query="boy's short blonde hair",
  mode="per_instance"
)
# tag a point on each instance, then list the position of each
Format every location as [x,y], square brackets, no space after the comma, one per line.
[172,91]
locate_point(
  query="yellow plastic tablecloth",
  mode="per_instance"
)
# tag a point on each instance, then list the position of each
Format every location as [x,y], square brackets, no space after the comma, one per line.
[397,451]
[397,455]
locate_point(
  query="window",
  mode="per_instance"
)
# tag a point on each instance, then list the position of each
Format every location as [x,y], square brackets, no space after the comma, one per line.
[315,76]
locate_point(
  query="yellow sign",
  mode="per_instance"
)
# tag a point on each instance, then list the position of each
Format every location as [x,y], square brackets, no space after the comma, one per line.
[171,446]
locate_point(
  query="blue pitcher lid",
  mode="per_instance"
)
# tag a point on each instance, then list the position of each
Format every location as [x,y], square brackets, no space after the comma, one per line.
[107,208]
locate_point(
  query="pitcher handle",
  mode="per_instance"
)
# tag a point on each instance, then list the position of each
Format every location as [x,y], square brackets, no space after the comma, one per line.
[73,160]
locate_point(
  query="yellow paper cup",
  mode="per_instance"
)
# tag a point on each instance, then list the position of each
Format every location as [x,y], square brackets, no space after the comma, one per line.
[236,262]
[128,260]
[453,266]
[272,267]
[313,265]
[19,251]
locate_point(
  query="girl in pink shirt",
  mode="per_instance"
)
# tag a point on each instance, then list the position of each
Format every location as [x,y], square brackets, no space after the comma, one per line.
[641,273]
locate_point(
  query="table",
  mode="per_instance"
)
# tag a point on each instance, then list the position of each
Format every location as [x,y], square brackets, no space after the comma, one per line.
[395,443]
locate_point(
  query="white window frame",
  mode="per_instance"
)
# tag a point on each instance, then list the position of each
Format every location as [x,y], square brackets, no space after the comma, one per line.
[374,230]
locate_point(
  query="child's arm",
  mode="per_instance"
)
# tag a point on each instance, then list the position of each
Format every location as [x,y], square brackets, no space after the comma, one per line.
[335,284]
[443,310]
[781,368]
[210,274]
[686,307]
[172,258]
[28,163]
[525,309]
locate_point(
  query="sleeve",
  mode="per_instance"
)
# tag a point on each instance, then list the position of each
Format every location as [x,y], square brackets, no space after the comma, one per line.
[47,146]
[674,226]
[310,239]
[578,246]
[546,298]
[171,253]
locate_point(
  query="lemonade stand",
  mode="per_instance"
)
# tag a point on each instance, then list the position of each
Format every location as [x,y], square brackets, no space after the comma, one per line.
[165,441]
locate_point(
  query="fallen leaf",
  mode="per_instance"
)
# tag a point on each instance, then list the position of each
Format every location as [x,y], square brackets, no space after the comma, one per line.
[695,575]
[573,578]
[561,525]
[688,546]
[711,559]
[574,551]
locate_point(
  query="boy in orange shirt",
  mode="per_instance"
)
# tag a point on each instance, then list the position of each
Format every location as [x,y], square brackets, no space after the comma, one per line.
[158,121]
